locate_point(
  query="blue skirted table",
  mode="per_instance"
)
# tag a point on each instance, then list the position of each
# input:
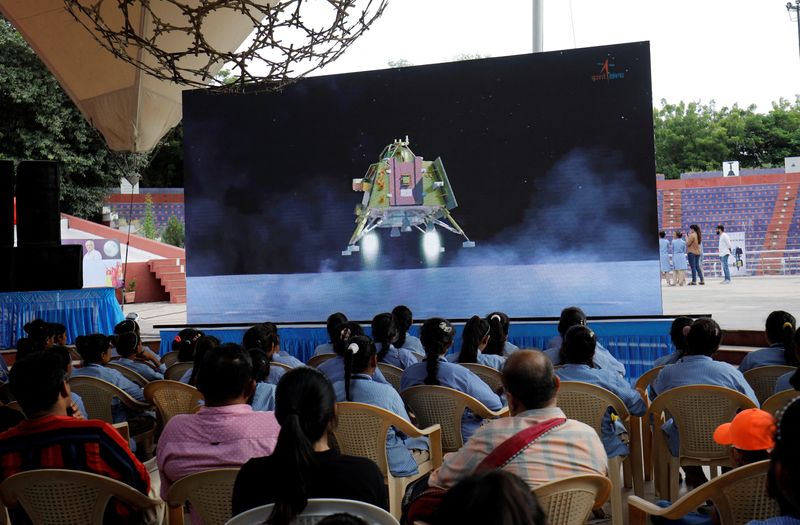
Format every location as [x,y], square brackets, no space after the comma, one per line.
[634,342]
[86,311]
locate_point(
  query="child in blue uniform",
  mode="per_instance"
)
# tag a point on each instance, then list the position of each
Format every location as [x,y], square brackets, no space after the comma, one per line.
[499,324]
[402,453]
[573,316]
[385,335]
[333,322]
[663,257]
[334,368]
[679,262]
[473,341]
[578,354]
[404,318]
[779,329]
[677,332]
[437,336]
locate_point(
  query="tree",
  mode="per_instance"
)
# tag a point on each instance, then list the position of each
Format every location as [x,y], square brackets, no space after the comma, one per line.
[174,233]
[39,121]
[166,168]
[149,229]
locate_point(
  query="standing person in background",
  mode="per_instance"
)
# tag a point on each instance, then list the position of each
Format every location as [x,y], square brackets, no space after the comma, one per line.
[663,257]
[404,319]
[679,264]
[694,247]
[725,251]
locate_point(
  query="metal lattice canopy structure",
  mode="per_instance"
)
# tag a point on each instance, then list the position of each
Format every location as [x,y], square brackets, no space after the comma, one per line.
[189,41]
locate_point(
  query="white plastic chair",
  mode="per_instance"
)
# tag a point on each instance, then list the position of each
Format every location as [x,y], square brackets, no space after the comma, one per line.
[316,510]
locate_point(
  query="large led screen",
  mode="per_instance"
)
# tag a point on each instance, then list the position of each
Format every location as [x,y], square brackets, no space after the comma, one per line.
[522,184]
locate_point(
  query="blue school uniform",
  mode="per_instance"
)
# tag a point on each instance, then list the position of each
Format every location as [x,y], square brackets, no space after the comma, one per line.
[275,375]
[324,348]
[783,383]
[509,349]
[697,370]
[414,344]
[668,359]
[186,376]
[285,358]
[264,397]
[763,357]
[490,360]
[363,389]
[679,261]
[615,383]
[459,378]
[400,357]
[79,403]
[143,369]
[602,357]
[115,378]
[663,254]
[334,370]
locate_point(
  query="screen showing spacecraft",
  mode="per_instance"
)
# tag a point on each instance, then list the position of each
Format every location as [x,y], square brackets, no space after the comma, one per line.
[522,184]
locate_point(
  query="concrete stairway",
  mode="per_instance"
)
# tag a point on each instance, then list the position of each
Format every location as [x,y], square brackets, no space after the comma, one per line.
[778,229]
[671,212]
[172,275]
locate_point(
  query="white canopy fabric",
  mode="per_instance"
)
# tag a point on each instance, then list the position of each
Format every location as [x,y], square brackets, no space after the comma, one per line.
[131,109]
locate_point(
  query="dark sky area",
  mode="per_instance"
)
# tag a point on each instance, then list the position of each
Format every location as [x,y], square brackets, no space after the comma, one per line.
[546,163]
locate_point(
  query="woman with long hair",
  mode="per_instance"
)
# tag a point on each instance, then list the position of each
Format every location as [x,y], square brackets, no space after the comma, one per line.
[303,465]
[474,339]
[694,249]
[334,368]
[437,336]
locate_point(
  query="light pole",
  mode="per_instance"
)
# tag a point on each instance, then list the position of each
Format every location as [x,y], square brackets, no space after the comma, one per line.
[796,16]
[538,25]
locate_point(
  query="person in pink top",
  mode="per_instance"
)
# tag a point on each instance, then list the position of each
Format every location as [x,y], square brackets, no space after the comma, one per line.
[226,432]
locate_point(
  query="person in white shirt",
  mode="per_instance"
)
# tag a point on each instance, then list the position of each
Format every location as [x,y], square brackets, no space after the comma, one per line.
[725,251]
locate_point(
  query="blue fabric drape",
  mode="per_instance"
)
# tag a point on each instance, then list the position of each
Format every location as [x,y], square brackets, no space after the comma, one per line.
[636,344]
[91,310]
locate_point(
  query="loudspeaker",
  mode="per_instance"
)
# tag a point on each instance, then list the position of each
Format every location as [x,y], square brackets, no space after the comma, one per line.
[6,204]
[48,268]
[38,190]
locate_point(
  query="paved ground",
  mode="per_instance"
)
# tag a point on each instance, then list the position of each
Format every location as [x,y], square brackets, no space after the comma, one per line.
[743,305]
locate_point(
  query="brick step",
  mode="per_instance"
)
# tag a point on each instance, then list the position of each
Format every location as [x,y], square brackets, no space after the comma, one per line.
[164,263]
[177,298]
[179,288]
[171,273]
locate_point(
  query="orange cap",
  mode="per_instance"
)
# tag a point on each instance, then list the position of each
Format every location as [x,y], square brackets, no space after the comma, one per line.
[751,429]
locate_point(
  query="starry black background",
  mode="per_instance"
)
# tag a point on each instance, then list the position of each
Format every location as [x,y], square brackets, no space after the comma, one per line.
[546,164]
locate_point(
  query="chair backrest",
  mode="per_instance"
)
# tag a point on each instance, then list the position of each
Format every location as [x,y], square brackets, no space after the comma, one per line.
[55,496]
[97,396]
[488,375]
[133,375]
[317,510]
[698,410]
[444,406]
[763,379]
[170,358]
[777,401]
[570,501]
[645,380]
[175,372]
[317,360]
[740,495]
[285,367]
[392,374]
[209,492]
[172,398]
[588,403]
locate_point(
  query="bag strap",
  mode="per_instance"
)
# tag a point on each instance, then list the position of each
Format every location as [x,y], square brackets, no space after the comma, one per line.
[512,446]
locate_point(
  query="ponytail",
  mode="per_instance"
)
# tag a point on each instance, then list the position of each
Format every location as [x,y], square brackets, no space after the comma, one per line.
[304,408]
[436,336]
[349,354]
[403,319]
[474,331]
[263,337]
[384,331]
[498,333]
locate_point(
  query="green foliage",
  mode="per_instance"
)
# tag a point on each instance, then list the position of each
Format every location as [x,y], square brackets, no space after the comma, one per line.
[166,168]
[697,137]
[149,229]
[131,286]
[174,233]
[40,122]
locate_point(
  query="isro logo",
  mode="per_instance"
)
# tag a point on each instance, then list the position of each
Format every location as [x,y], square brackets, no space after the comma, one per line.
[606,72]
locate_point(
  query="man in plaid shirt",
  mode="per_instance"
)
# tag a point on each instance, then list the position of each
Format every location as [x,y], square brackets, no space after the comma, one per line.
[570,449]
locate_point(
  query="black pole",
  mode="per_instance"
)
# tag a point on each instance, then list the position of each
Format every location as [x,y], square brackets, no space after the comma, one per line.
[796,9]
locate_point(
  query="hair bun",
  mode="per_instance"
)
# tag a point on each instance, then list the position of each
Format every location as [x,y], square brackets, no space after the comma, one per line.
[353,347]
